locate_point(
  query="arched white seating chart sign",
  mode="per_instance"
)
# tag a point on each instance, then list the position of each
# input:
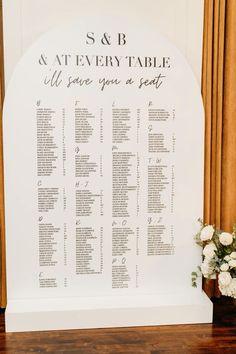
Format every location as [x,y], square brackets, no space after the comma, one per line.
[103,142]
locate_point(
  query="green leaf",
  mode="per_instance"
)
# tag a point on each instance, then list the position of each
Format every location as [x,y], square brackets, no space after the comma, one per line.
[200,221]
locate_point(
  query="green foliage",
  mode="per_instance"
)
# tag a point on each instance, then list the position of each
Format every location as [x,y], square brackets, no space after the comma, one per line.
[195,275]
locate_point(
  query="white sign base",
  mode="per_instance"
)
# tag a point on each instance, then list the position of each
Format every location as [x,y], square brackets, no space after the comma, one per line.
[104,312]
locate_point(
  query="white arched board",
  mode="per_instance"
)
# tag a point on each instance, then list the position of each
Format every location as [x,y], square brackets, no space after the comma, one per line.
[103,148]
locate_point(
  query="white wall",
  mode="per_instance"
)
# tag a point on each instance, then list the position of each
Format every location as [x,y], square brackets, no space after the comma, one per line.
[179,20]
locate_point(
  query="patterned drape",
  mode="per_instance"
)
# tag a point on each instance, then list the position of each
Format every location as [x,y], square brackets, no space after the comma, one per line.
[219,96]
[2,228]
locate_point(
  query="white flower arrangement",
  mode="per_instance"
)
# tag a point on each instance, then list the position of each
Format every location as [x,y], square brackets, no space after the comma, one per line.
[219,258]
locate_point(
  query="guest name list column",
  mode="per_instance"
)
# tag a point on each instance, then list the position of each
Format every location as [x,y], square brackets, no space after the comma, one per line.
[89,189]
[143,189]
[51,173]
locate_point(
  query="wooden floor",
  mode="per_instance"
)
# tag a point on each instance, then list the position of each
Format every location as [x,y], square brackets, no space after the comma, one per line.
[219,337]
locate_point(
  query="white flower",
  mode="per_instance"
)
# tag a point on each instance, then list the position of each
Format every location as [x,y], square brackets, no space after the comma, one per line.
[227,258]
[226,290]
[224,279]
[224,267]
[229,290]
[233,288]
[232,263]
[226,238]
[207,269]
[233,255]
[209,250]
[207,233]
